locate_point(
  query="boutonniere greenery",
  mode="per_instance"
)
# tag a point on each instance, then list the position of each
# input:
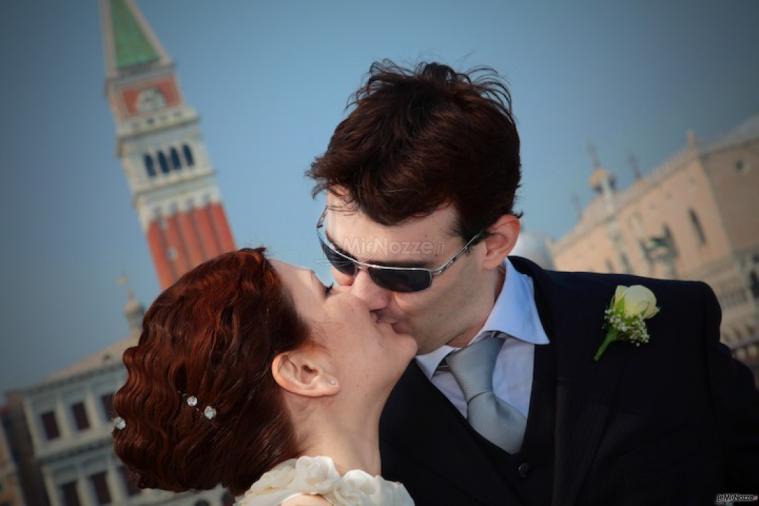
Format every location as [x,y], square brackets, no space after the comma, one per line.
[624,319]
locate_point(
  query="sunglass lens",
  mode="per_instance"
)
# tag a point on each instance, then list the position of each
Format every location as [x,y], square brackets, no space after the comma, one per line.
[401,280]
[340,263]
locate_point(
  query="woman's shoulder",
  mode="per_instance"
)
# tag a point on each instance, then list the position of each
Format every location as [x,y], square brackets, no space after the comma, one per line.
[317,479]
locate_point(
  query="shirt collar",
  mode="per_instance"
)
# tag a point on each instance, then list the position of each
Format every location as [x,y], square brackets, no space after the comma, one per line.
[513,313]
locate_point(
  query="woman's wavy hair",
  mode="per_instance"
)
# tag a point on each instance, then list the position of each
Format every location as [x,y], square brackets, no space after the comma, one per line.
[420,138]
[213,334]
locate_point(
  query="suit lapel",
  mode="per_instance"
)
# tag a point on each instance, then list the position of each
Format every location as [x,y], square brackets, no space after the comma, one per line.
[572,316]
[582,408]
[420,422]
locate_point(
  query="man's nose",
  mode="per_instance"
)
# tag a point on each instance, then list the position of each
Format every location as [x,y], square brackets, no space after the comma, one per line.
[375,297]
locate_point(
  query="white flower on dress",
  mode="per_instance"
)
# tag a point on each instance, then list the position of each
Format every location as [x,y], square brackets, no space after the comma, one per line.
[315,475]
[318,475]
[359,488]
[279,477]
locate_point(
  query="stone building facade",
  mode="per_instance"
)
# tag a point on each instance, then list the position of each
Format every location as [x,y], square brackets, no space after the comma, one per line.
[695,217]
[10,486]
[69,420]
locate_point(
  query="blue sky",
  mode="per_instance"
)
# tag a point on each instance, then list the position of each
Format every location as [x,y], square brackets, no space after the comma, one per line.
[270,80]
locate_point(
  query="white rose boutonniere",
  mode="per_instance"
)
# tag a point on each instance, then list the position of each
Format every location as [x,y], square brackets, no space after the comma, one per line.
[624,320]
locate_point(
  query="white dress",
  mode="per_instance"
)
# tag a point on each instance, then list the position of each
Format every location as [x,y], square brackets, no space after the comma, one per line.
[318,475]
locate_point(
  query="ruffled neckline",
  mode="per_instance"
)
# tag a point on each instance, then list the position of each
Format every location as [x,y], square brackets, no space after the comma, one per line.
[318,475]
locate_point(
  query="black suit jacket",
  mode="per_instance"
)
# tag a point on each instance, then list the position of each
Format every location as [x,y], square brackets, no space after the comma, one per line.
[673,421]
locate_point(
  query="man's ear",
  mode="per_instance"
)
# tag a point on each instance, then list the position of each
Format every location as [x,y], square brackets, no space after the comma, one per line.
[304,372]
[502,239]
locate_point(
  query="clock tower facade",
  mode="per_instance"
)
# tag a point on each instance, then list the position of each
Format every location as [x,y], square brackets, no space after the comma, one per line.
[159,143]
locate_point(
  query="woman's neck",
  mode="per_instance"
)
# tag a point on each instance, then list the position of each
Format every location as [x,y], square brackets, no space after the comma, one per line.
[349,437]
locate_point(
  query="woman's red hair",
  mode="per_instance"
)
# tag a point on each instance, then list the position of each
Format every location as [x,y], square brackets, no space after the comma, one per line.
[212,335]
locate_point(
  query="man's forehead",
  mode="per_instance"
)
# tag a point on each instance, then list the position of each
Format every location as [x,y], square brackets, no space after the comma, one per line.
[341,201]
[418,241]
[341,213]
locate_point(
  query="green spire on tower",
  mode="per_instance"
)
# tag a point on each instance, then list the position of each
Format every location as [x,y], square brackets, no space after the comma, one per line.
[132,45]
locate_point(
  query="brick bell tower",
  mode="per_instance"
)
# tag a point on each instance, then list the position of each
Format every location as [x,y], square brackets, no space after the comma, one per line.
[159,143]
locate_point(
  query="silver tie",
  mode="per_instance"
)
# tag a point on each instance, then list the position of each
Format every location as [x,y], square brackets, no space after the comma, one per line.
[497,420]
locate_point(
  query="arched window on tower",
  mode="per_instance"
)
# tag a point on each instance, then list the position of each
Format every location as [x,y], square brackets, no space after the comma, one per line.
[149,165]
[175,162]
[697,228]
[188,155]
[163,163]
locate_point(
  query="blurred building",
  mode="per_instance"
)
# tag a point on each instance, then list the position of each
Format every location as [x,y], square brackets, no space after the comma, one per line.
[535,246]
[695,217]
[60,428]
[20,441]
[162,152]
[10,487]
[68,417]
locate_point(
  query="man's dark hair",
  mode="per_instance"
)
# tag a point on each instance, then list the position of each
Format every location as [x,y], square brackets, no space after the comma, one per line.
[419,139]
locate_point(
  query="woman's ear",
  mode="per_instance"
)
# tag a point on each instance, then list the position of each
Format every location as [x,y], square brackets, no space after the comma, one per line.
[304,372]
[502,239]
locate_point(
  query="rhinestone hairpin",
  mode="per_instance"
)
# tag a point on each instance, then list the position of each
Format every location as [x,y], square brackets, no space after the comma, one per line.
[209,412]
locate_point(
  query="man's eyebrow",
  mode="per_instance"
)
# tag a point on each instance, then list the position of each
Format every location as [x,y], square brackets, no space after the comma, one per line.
[412,263]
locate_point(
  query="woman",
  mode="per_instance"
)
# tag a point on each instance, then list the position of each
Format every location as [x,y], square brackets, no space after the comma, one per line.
[252,374]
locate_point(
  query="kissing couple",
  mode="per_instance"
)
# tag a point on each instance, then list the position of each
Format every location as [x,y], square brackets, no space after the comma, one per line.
[448,373]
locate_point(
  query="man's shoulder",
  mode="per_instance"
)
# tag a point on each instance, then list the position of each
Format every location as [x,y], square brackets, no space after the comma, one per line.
[684,291]
[674,296]
[606,280]
[689,303]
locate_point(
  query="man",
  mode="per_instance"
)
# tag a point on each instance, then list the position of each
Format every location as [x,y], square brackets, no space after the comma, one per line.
[505,403]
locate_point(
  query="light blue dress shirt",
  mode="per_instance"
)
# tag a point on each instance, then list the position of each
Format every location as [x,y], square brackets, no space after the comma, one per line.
[515,314]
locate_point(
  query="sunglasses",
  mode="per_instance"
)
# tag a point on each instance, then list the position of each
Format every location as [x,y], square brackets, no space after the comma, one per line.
[396,279]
